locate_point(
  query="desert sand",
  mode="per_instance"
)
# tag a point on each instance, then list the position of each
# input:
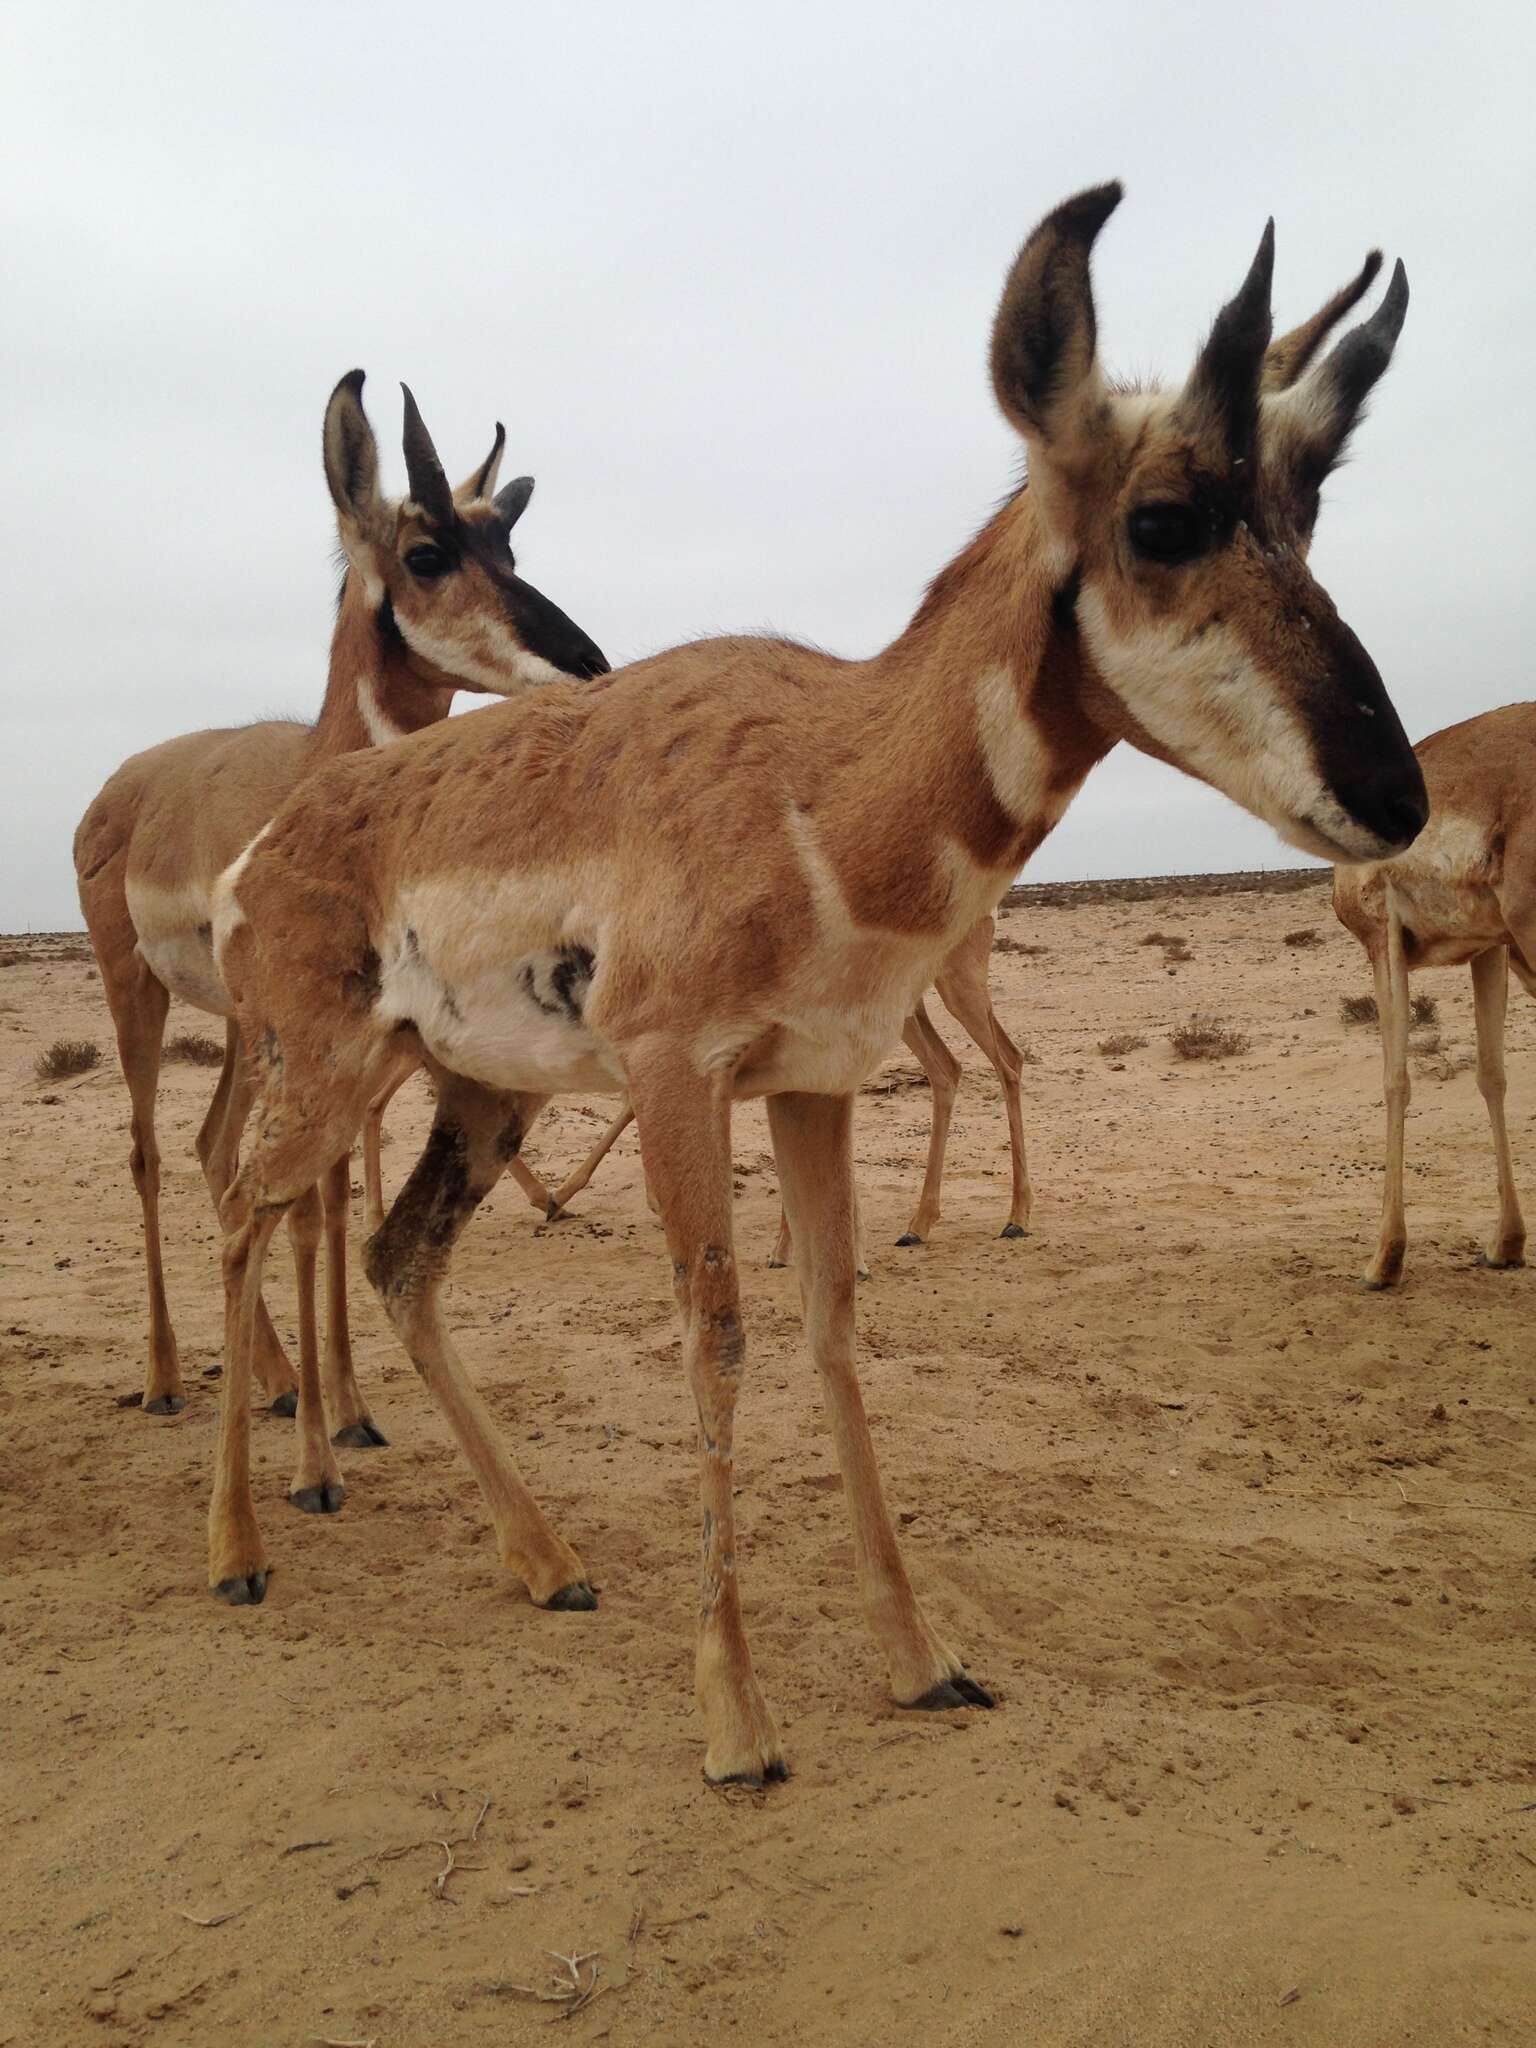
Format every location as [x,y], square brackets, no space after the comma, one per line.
[1248,1555]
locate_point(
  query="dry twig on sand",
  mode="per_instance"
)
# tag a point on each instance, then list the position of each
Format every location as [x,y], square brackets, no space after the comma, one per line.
[570,1993]
[216,1919]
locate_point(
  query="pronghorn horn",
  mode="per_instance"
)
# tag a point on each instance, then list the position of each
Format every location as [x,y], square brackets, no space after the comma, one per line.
[1225,379]
[1289,356]
[429,486]
[350,452]
[482,481]
[511,501]
[1045,335]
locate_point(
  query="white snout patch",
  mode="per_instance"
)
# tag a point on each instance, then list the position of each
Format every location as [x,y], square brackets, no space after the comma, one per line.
[491,657]
[1220,715]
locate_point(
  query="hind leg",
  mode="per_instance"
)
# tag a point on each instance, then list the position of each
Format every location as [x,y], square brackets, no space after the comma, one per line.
[317,1487]
[218,1152]
[348,1412]
[963,990]
[139,1004]
[475,1133]
[943,1071]
[1490,990]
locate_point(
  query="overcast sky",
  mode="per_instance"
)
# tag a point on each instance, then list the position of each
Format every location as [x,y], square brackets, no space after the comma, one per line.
[726,272]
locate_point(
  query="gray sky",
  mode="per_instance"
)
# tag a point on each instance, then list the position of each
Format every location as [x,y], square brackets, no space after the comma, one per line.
[726,272]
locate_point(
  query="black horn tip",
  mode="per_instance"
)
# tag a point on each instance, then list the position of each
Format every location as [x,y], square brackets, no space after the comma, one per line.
[352,382]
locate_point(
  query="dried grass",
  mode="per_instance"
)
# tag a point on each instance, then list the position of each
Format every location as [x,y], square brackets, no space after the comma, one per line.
[1308,935]
[1358,1009]
[1203,1037]
[196,1048]
[68,1056]
[1119,1042]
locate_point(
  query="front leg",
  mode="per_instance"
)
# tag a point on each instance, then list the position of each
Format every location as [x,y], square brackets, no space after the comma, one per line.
[813,1142]
[684,1119]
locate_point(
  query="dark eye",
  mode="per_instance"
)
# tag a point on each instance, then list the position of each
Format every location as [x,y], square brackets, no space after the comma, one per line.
[1166,533]
[427,562]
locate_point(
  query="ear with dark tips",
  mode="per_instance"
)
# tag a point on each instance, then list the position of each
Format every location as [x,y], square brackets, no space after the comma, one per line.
[429,486]
[351,454]
[1285,359]
[1225,380]
[1045,335]
[511,501]
[1360,358]
[482,481]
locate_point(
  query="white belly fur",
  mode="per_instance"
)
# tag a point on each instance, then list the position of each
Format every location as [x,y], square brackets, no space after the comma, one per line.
[176,944]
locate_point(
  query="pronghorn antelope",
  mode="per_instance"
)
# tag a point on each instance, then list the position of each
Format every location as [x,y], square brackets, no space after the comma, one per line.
[680,882]
[1464,893]
[431,604]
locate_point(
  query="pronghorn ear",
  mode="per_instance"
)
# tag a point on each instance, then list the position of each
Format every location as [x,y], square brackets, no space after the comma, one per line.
[351,453]
[1045,337]
[481,482]
[1285,359]
[1307,426]
[429,486]
[512,501]
[1223,388]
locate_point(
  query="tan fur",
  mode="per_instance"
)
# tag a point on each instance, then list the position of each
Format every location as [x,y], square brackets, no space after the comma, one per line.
[165,826]
[1464,894]
[733,870]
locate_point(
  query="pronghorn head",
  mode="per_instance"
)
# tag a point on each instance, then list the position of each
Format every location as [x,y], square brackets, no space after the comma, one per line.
[437,567]
[1176,525]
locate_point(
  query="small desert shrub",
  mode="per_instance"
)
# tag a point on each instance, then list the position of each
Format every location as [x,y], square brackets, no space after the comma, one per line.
[1424,1010]
[1119,1042]
[67,1056]
[1207,1038]
[13,959]
[1309,935]
[1159,939]
[1005,945]
[1177,950]
[196,1048]
[1358,1009]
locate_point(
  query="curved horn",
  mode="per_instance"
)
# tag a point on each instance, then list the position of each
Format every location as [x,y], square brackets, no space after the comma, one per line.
[482,481]
[1225,379]
[1286,358]
[429,486]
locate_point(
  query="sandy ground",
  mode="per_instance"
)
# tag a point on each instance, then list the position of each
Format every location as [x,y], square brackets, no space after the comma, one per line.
[1249,1557]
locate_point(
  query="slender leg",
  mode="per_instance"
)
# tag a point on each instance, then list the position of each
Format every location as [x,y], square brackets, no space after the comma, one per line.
[139,1004]
[373,1123]
[1391,974]
[592,1162]
[237,1557]
[963,990]
[218,1152]
[475,1132]
[1490,990]
[317,1487]
[343,1398]
[784,1244]
[812,1138]
[943,1071]
[685,1132]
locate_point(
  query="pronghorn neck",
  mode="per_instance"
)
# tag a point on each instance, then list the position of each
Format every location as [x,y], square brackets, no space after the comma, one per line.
[978,724]
[373,695]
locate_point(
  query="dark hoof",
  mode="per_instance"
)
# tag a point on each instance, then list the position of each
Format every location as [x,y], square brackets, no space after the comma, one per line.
[776,1774]
[910,1237]
[247,1592]
[168,1404]
[319,1500]
[1499,1265]
[362,1435]
[778,1265]
[552,1211]
[954,1692]
[286,1404]
[213,1372]
[1013,1230]
[576,1598]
